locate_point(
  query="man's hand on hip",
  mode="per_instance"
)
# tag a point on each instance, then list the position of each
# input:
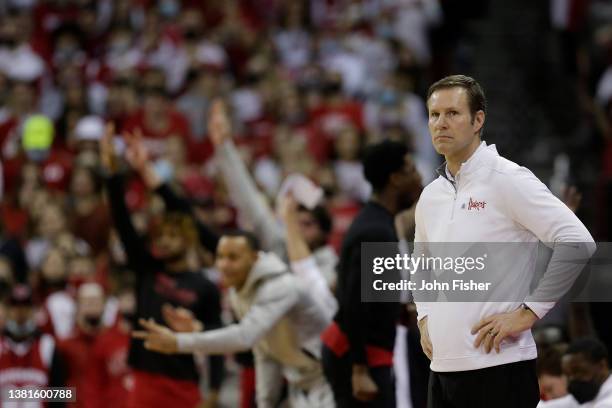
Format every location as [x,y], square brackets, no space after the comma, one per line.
[425,340]
[364,388]
[492,330]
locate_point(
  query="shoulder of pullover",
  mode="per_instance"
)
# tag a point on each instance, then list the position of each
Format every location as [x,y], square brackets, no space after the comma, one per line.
[279,288]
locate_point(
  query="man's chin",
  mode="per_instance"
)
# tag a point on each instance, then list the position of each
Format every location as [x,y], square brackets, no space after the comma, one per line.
[443,148]
[169,257]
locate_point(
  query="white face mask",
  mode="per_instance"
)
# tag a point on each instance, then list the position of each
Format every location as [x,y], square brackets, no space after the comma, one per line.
[19,332]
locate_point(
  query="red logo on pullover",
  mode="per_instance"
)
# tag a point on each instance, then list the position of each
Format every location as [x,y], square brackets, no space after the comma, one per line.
[477,205]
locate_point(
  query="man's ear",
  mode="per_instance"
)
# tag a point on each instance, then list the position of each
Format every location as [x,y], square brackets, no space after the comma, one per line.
[602,369]
[395,178]
[479,119]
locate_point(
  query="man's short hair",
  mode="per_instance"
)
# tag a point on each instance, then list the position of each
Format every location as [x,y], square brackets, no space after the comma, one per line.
[321,216]
[180,221]
[549,361]
[251,239]
[476,96]
[593,349]
[381,160]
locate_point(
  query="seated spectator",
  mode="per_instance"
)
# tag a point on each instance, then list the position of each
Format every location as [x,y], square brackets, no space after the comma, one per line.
[589,384]
[553,383]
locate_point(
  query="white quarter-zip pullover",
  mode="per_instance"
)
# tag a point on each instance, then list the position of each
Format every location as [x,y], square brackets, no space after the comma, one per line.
[513,206]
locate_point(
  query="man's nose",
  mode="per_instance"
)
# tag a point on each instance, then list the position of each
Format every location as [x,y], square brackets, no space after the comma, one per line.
[440,122]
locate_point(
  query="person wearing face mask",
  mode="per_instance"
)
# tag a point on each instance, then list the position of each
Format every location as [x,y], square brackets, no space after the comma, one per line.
[27,357]
[77,348]
[109,377]
[585,364]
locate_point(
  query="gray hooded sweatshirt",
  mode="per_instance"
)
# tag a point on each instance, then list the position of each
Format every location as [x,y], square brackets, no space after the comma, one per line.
[280,320]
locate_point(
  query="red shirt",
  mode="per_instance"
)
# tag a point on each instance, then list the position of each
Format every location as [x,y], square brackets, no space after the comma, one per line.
[77,352]
[109,378]
[25,364]
[177,126]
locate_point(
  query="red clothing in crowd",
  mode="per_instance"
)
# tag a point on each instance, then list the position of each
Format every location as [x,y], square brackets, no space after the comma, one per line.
[55,170]
[93,228]
[28,364]
[77,351]
[325,122]
[109,378]
[160,391]
[178,126]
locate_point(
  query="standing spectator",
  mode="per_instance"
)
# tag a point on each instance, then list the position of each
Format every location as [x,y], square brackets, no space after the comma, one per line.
[162,380]
[358,351]
[279,319]
[77,349]
[109,377]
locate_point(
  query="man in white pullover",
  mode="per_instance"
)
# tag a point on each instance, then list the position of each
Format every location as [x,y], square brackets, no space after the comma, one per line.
[483,354]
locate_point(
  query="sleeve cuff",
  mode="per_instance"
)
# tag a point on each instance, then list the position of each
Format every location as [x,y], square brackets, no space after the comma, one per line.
[422,310]
[185,342]
[540,308]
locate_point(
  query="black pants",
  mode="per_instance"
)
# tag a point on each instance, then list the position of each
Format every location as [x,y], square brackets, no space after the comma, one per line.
[513,385]
[338,372]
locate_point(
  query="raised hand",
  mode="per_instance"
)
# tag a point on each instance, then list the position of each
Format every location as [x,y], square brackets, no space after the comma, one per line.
[157,337]
[136,153]
[219,128]
[287,207]
[180,319]
[108,156]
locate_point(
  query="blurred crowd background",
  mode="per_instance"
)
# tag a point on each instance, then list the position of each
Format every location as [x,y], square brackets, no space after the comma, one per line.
[308,85]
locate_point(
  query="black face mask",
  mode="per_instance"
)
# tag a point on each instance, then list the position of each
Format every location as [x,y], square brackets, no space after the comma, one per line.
[93,321]
[583,391]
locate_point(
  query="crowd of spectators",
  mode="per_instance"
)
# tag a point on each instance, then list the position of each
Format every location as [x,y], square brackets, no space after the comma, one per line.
[308,85]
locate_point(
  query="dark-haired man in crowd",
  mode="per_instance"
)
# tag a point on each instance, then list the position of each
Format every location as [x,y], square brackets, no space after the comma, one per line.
[358,351]
[163,280]
[279,319]
[585,364]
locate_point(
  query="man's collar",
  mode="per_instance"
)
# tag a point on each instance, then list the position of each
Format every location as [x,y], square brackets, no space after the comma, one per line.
[468,165]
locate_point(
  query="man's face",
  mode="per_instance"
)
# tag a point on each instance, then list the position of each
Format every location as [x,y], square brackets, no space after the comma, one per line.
[310,229]
[578,367]
[552,386]
[90,307]
[235,258]
[20,313]
[170,244]
[451,125]
[584,378]
[408,183]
